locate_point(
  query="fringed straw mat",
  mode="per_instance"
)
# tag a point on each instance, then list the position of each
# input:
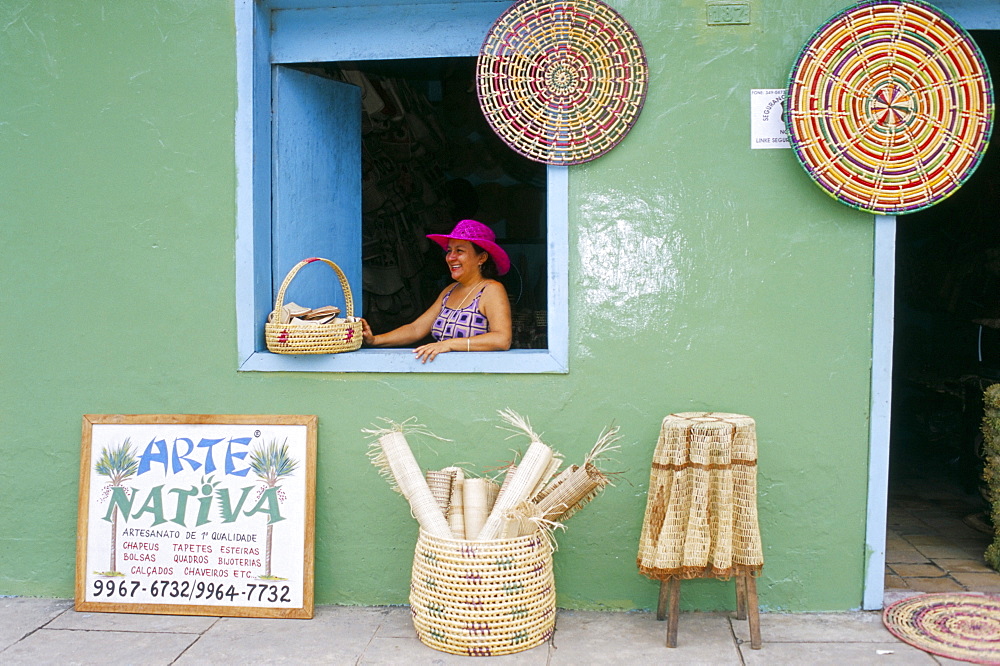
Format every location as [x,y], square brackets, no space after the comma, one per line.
[957,626]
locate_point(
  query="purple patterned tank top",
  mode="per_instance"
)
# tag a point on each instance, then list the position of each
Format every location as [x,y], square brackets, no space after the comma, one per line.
[464,323]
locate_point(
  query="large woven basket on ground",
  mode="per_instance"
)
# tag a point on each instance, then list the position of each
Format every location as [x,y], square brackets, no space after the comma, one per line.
[343,335]
[483,598]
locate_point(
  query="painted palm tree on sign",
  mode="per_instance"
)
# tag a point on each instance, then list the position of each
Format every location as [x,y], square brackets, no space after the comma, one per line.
[119,464]
[271,464]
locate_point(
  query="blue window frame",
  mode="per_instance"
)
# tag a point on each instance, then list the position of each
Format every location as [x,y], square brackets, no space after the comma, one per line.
[298,168]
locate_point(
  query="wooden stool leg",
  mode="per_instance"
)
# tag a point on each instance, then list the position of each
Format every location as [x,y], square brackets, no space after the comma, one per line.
[753,614]
[661,604]
[674,597]
[741,597]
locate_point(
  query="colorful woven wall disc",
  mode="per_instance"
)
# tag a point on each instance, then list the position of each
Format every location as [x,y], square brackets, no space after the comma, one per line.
[890,106]
[561,81]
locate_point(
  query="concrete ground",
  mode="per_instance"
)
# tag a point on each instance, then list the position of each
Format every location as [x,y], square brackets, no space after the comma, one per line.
[930,548]
[47,631]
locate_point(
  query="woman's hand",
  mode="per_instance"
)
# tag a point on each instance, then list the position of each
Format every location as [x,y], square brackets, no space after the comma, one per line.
[430,351]
[366,333]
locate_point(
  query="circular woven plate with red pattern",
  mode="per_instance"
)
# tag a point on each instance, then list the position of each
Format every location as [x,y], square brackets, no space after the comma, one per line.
[890,106]
[561,81]
[963,626]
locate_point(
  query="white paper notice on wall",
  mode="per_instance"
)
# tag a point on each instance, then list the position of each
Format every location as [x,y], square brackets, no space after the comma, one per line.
[767,118]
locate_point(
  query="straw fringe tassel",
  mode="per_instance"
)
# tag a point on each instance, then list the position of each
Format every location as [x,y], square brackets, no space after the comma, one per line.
[605,444]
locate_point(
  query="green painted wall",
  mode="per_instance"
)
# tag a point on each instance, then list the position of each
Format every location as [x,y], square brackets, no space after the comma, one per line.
[704,276]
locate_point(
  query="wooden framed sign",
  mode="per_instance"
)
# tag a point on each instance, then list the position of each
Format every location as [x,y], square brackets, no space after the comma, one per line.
[197,515]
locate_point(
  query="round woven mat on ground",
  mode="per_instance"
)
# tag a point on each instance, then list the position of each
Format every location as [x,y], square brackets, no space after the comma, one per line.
[890,106]
[561,82]
[957,626]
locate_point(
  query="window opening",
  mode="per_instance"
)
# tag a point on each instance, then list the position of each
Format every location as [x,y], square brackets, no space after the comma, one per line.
[428,160]
[298,128]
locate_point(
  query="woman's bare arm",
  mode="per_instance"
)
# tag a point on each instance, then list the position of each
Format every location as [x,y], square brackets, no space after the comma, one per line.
[407,334]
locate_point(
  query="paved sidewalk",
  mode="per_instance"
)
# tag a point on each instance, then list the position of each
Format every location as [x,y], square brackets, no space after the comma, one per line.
[48,631]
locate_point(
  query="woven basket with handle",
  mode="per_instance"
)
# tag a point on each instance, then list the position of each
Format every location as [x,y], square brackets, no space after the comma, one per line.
[483,598]
[333,338]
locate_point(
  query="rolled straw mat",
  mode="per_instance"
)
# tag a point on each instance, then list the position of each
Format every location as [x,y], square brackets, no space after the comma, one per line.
[439,482]
[531,472]
[456,507]
[952,625]
[475,499]
[397,459]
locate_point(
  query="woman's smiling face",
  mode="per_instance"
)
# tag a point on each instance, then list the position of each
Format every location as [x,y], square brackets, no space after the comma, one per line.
[462,260]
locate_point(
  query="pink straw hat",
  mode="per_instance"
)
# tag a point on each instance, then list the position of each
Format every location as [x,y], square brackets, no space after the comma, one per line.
[481,235]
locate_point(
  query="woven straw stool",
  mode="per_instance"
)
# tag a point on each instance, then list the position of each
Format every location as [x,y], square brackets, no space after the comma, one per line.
[701,512]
